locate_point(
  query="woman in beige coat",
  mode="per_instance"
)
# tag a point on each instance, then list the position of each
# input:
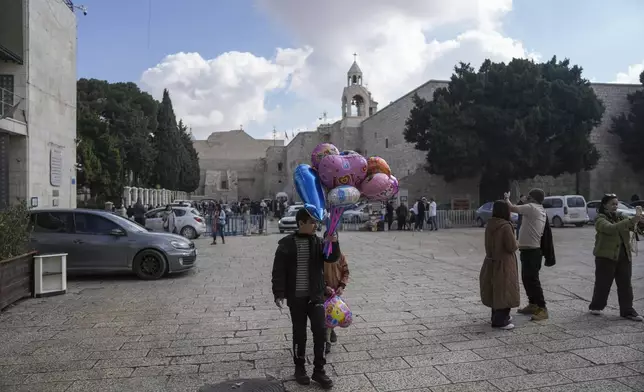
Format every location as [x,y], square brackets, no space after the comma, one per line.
[499,277]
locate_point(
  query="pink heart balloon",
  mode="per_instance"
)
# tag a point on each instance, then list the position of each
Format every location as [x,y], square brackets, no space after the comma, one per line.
[322,150]
[336,170]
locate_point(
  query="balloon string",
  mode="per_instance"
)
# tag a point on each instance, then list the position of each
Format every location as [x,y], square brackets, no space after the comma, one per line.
[335,217]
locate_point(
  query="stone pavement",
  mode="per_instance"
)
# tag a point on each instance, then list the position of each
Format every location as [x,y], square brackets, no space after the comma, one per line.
[419,325]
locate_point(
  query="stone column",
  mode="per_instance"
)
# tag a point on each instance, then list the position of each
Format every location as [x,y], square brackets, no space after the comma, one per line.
[135,194]
[126,196]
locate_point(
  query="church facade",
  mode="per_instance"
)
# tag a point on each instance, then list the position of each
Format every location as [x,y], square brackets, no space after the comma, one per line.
[234,165]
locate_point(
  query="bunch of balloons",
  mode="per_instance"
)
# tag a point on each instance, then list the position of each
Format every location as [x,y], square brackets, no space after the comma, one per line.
[337,312]
[344,178]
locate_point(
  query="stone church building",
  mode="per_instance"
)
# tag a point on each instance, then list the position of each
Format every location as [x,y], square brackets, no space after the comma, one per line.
[234,165]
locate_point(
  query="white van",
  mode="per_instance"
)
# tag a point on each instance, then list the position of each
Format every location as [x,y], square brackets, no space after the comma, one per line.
[566,210]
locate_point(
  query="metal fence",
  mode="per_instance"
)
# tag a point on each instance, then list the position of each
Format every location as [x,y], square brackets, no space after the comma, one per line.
[240,224]
[445,219]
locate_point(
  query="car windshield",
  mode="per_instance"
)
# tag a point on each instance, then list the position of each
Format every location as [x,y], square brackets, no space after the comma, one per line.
[195,212]
[129,225]
[292,213]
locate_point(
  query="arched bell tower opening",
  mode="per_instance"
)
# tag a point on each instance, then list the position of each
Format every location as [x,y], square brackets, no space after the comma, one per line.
[356,99]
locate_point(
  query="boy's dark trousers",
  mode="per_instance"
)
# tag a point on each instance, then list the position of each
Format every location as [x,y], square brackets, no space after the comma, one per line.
[607,270]
[302,309]
[530,267]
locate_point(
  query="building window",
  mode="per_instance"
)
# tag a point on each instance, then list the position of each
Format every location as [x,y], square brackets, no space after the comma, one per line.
[375,135]
[386,142]
[279,166]
[224,185]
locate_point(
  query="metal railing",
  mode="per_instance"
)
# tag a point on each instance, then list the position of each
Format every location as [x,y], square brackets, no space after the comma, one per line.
[240,224]
[445,219]
[9,103]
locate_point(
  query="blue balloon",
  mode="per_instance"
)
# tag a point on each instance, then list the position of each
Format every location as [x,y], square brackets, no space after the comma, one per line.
[309,187]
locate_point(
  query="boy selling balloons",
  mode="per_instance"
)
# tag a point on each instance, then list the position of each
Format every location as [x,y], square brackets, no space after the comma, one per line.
[298,277]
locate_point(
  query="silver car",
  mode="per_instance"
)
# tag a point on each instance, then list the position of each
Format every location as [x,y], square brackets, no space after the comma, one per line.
[188,221]
[288,223]
[484,213]
[99,241]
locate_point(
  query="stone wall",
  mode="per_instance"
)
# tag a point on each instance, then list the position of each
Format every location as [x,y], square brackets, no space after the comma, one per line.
[299,151]
[51,101]
[613,174]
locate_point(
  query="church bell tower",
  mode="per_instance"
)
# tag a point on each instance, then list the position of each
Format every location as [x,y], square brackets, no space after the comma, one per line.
[356,99]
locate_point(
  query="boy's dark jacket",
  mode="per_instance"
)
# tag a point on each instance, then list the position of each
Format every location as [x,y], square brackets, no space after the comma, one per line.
[548,246]
[285,264]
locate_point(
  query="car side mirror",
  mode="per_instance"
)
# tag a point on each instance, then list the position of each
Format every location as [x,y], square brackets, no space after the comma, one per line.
[117,232]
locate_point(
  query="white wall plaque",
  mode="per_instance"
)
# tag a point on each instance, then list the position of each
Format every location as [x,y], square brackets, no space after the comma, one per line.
[55,167]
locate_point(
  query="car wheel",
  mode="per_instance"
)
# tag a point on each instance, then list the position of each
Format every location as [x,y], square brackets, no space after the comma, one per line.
[557,222]
[189,232]
[480,222]
[150,265]
[580,224]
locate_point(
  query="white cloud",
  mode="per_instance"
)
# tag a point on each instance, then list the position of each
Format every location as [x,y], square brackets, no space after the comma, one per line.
[632,75]
[400,45]
[222,93]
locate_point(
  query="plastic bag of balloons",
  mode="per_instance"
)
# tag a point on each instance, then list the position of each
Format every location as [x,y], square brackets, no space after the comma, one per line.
[337,313]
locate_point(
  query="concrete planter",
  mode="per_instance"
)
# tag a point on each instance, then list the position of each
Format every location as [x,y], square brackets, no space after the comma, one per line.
[16,279]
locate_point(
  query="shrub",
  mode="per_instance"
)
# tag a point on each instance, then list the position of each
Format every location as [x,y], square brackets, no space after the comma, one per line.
[15,229]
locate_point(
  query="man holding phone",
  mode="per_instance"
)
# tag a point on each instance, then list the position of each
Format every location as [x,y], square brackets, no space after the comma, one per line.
[533,223]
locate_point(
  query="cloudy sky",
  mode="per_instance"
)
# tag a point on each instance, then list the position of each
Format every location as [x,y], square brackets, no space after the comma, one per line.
[282,63]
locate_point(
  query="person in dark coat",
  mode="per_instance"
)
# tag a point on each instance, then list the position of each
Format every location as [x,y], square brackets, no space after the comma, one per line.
[298,277]
[401,213]
[389,215]
[139,212]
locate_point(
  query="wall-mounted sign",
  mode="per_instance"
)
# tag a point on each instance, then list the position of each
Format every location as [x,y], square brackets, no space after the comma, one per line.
[55,167]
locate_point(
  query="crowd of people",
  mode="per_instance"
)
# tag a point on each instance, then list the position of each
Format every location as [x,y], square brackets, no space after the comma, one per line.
[414,218]
[304,277]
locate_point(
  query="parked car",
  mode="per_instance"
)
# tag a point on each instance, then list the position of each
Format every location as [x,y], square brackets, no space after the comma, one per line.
[288,222]
[639,203]
[99,241]
[484,213]
[189,222]
[356,215]
[566,210]
[294,207]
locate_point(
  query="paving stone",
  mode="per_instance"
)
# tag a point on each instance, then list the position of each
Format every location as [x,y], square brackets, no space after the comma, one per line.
[482,370]
[635,382]
[638,366]
[406,350]
[355,382]
[569,344]
[165,370]
[407,379]
[52,366]
[590,386]
[132,362]
[369,366]
[622,338]
[41,387]
[378,345]
[597,372]
[71,375]
[507,351]
[476,386]
[440,358]
[549,362]
[112,354]
[472,344]
[610,354]
[138,384]
[529,381]
[226,366]
[175,351]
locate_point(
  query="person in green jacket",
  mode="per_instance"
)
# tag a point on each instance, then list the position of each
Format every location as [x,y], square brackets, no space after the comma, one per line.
[613,260]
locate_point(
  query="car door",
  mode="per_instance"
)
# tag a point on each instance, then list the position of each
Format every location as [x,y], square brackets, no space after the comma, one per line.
[485,212]
[52,232]
[180,219]
[97,247]
[154,220]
